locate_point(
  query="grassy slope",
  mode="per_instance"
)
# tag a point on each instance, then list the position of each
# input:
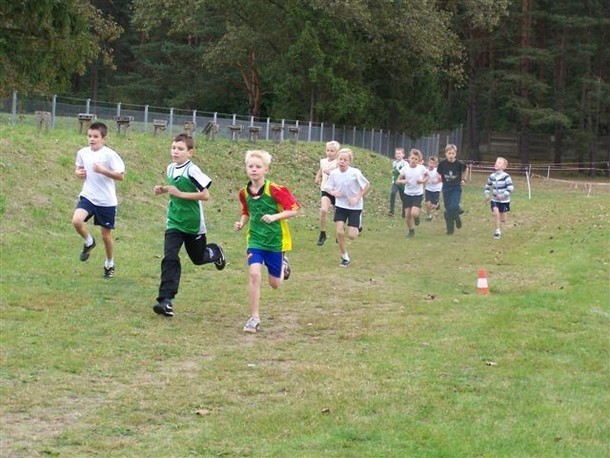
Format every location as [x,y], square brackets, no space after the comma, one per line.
[395,356]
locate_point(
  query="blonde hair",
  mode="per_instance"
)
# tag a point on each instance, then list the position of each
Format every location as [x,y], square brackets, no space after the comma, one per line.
[264,156]
[503,159]
[348,152]
[334,143]
[450,147]
[433,158]
[417,154]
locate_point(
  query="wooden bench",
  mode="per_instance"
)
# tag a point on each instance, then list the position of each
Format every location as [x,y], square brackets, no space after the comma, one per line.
[276,133]
[43,118]
[159,124]
[235,130]
[294,134]
[123,122]
[190,126]
[85,119]
[210,130]
[255,132]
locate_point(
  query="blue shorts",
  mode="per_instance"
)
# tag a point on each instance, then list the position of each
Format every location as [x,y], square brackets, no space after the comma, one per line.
[102,216]
[433,196]
[503,207]
[353,217]
[413,201]
[272,259]
[325,194]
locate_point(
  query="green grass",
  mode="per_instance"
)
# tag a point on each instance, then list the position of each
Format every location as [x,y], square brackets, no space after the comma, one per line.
[395,356]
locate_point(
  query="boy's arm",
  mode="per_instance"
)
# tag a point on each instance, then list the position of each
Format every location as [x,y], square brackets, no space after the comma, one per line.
[80,172]
[319,176]
[281,215]
[118,176]
[174,191]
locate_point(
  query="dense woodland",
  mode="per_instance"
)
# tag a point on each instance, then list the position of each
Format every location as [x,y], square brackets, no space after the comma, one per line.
[523,66]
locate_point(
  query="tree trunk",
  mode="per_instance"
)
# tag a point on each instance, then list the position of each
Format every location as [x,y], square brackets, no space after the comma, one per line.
[526,26]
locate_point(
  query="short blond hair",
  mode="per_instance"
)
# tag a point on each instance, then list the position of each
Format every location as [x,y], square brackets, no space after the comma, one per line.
[334,144]
[504,160]
[450,147]
[348,152]
[416,153]
[263,155]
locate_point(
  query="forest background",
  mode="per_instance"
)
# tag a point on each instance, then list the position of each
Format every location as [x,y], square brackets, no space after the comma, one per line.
[521,66]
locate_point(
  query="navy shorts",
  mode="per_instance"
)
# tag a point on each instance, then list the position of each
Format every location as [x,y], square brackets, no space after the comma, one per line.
[433,196]
[272,259]
[413,201]
[102,216]
[503,207]
[325,194]
[353,217]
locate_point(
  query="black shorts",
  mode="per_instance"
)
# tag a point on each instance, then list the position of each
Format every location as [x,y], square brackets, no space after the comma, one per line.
[353,217]
[413,201]
[503,207]
[325,194]
[433,196]
[102,216]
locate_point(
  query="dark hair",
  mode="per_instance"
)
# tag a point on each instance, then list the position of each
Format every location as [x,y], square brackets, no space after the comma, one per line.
[186,138]
[101,127]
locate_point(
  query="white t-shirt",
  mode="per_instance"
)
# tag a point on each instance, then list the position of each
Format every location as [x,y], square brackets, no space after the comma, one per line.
[324,165]
[98,188]
[350,183]
[435,182]
[412,175]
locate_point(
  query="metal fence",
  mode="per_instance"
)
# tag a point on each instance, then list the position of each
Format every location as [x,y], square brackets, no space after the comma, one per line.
[68,112]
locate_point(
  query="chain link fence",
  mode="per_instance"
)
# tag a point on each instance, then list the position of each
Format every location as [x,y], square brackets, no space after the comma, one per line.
[65,112]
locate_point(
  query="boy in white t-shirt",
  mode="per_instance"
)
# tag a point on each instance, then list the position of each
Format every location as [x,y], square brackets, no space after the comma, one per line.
[100,167]
[413,176]
[349,186]
[327,165]
[433,188]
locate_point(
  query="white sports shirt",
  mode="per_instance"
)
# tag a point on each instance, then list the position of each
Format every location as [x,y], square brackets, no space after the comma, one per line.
[98,188]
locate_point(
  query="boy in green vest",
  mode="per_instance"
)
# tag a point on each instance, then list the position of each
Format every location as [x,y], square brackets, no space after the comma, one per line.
[188,187]
[266,206]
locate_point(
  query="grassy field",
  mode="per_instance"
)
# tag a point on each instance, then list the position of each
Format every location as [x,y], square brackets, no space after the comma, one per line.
[395,356]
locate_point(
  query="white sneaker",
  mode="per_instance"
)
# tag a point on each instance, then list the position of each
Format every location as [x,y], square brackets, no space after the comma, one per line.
[252,325]
[497,235]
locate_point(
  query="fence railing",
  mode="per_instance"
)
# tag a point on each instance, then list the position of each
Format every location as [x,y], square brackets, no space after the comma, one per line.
[68,112]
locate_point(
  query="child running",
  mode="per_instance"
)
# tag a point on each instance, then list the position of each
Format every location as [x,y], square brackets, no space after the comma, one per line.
[100,167]
[453,173]
[265,206]
[327,164]
[397,188]
[187,187]
[498,189]
[413,176]
[349,186]
[433,188]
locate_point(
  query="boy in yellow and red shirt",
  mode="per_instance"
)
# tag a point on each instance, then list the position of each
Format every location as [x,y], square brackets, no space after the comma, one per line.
[265,206]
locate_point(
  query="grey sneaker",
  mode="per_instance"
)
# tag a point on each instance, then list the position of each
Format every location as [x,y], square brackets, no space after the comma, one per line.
[287,269]
[220,262]
[252,325]
[164,307]
[84,255]
[322,238]
[411,233]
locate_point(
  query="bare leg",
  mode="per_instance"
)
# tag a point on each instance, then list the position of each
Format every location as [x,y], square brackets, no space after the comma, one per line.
[78,221]
[108,243]
[254,289]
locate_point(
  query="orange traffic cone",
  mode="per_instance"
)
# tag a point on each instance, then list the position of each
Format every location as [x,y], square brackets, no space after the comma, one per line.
[482,287]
